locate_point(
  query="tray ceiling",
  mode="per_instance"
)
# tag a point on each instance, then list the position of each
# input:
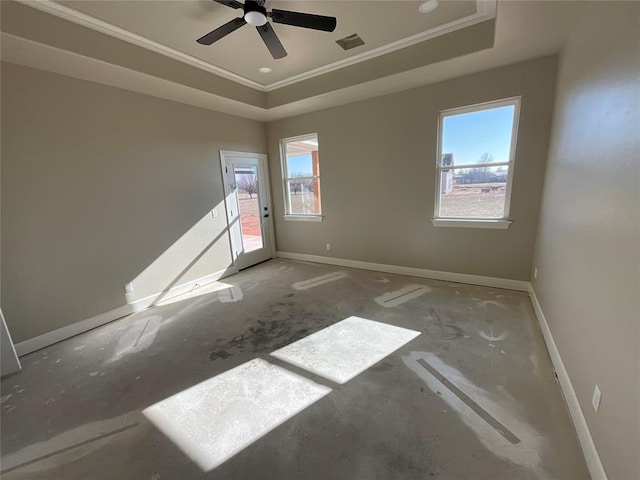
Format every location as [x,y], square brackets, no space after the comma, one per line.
[383,25]
[55,37]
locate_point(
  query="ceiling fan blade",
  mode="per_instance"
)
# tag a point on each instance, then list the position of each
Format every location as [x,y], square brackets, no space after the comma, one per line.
[272,41]
[222,31]
[305,20]
[230,3]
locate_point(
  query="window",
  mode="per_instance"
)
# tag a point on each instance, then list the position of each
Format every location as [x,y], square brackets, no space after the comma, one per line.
[301,177]
[475,164]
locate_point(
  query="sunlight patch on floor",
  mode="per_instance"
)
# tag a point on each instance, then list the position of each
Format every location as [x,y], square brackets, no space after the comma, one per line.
[345,349]
[212,421]
[196,292]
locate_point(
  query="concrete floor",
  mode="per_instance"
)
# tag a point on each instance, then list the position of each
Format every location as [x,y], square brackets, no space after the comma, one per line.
[472,396]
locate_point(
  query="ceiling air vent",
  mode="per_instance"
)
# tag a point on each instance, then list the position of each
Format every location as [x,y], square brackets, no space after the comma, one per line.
[352,41]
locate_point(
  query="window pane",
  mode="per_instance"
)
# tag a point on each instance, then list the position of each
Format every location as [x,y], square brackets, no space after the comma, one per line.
[302,158]
[248,202]
[304,196]
[302,182]
[477,137]
[473,192]
[299,166]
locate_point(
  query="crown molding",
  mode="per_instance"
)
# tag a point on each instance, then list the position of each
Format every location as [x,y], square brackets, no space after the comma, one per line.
[40,56]
[485,10]
[66,13]
[30,53]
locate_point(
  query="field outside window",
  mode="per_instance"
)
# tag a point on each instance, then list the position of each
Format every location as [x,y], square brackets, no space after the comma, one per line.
[475,161]
[301,175]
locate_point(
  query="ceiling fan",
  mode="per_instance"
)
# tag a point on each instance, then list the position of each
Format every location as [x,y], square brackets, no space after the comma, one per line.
[255,13]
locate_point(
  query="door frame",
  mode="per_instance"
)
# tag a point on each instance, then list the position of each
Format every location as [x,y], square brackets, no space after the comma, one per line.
[10,360]
[263,163]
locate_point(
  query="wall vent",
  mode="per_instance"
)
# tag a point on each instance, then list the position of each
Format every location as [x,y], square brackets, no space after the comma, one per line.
[349,42]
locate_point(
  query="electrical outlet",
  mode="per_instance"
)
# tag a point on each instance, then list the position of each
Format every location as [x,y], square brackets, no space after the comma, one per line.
[328,246]
[214,212]
[535,273]
[597,395]
[128,287]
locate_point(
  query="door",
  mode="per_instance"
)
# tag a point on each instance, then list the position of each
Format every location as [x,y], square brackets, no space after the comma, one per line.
[247,201]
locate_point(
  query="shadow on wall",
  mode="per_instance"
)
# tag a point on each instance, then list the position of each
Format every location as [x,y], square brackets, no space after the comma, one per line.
[200,255]
[191,261]
[194,257]
[119,188]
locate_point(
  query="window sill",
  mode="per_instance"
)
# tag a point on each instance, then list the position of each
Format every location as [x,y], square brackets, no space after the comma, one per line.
[303,218]
[464,223]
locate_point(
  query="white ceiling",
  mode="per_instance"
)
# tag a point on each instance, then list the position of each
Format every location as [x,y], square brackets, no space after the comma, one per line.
[177,24]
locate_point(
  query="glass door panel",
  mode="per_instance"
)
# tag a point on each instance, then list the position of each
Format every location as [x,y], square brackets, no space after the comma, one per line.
[248,192]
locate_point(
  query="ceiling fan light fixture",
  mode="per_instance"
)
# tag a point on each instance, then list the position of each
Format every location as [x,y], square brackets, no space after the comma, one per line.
[255,14]
[428,6]
[257,19]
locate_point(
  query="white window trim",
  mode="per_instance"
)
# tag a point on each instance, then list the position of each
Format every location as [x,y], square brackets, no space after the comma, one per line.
[303,218]
[478,222]
[464,223]
[299,217]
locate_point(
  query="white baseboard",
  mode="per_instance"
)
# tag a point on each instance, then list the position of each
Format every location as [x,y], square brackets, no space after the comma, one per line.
[590,452]
[596,469]
[506,283]
[594,463]
[55,336]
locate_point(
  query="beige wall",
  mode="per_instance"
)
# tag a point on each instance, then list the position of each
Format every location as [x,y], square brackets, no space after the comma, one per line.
[9,362]
[101,186]
[377,165]
[588,244]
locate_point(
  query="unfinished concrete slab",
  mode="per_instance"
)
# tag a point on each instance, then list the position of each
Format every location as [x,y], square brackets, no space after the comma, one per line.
[345,349]
[215,419]
[472,396]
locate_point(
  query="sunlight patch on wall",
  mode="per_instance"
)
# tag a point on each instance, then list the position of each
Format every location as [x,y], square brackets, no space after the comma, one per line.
[345,349]
[212,421]
[187,259]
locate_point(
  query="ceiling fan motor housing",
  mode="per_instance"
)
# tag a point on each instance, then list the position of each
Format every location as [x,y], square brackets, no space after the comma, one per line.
[255,12]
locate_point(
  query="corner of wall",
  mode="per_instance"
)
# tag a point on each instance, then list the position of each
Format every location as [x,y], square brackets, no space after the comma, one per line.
[592,457]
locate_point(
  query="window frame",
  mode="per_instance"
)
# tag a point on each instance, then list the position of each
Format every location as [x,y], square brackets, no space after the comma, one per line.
[478,222]
[284,167]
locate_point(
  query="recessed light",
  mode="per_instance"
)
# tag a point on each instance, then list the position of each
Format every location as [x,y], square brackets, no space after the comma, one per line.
[428,6]
[264,70]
